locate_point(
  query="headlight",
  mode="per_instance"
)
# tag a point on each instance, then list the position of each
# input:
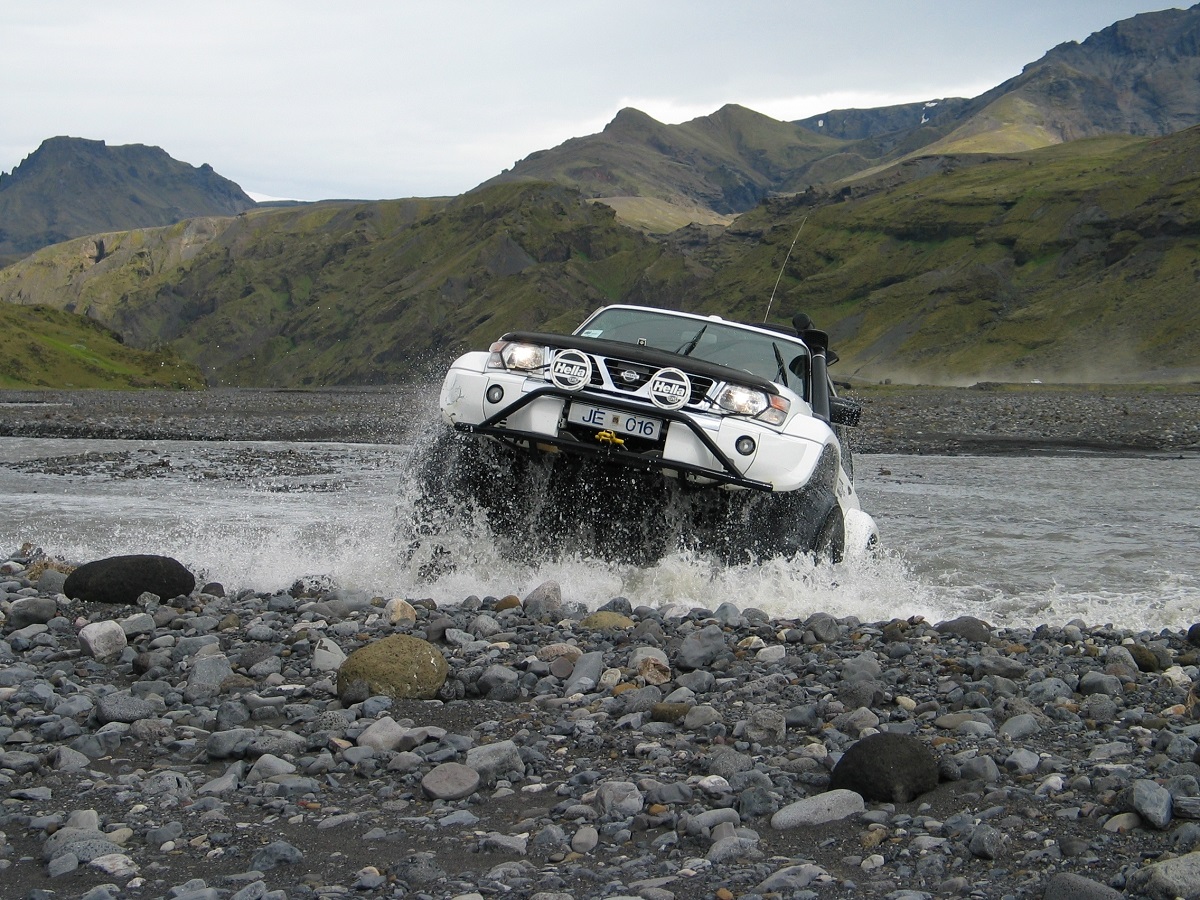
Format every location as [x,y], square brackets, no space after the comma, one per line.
[514,355]
[744,401]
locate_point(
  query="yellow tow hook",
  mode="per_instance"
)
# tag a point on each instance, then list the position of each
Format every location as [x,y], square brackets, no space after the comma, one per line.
[610,437]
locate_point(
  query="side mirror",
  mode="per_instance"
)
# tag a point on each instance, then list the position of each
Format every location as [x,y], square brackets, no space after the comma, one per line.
[843,411]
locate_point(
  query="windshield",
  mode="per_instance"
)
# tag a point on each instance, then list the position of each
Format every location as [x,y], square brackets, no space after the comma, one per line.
[768,356]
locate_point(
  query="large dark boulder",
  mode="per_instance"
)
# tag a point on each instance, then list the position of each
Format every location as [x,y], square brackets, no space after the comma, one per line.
[122,579]
[893,768]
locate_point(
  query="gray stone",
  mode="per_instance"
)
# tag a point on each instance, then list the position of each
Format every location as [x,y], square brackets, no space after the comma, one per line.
[123,707]
[1069,886]
[1150,801]
[499,683]
[998,666]
[231,744]
[980,768]
[327,656]
[544,601]
[586,674]
[1048,690]
[830,806]
[450,781]
[1020,726]
[20,761]
[863,667]
[700,717]
[767,726]
[701,648]
[383,734]
[31,611]
[268,766]
[1179,877]
[986,842]
[855,721]
[137,625]
[494,761]
[824,628]
[790,878]
[1022,762]
[207,675]
[585,839]
[104,641]
[278,853]
[1100,683]
[968,628]
[619,799]
[725,761]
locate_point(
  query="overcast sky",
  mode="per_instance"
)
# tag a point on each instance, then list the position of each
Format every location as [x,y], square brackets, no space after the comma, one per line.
[375,99]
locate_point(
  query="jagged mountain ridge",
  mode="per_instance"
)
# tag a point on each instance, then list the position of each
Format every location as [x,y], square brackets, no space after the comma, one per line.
[1140,76]
[70,187]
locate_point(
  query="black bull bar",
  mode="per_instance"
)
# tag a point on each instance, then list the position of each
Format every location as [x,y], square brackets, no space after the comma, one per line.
[728,475]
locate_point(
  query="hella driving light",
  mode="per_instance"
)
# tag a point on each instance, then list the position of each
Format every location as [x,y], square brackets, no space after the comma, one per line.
[515,355]
[744,401]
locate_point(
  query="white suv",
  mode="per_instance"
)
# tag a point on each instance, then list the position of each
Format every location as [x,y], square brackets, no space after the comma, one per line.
[742,419]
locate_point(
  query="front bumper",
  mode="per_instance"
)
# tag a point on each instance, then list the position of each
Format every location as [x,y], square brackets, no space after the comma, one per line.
[697,447]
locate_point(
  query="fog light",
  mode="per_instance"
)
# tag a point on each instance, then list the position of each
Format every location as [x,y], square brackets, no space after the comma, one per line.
[495,393]
[745,445]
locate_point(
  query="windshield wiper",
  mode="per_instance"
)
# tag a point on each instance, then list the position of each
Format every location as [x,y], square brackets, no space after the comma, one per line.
[687,348]
[782,368]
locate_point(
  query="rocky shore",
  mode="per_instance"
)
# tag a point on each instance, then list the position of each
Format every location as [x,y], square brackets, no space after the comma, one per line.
[896,419]
[202,745]
[213,746]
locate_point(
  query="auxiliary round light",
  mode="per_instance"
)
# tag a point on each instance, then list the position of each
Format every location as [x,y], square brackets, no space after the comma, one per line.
[745,445]
[495,394]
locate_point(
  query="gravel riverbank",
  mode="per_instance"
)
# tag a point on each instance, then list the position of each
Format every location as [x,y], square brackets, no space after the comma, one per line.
[983,419]
[208,752]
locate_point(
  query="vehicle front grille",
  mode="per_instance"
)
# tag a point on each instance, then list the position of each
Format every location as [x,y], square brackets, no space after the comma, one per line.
[628,377]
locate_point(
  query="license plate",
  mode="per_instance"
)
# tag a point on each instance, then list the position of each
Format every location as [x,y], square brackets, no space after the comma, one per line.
[622,423]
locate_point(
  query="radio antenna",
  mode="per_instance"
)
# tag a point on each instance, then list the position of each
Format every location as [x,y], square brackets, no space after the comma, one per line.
[781,268]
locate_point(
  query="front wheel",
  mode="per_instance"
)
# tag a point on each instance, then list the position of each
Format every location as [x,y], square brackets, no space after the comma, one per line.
[830,542]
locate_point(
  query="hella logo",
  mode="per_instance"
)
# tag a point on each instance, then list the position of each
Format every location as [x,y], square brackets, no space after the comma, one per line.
[669,389]
[571,370]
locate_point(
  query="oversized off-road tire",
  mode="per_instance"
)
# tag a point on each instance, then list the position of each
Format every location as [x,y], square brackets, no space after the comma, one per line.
[830,543]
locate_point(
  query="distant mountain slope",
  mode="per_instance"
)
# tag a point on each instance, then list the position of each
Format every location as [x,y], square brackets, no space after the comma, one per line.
[708,168]
[347,293]
[1077,261]
[1140,76]
[1072,262]
[71,187]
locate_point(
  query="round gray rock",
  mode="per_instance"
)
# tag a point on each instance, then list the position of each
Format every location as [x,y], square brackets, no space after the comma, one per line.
[450,781]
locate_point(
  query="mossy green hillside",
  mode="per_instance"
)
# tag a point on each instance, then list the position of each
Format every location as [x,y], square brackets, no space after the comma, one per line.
[49,348]
[1076,262]
[1073,262]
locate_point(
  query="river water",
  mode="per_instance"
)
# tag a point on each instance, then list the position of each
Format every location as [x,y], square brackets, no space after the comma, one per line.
[1015,540]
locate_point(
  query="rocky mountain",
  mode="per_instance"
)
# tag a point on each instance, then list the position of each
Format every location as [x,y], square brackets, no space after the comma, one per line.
[1140,76]
[70,187]
[708,169]
[1072,262]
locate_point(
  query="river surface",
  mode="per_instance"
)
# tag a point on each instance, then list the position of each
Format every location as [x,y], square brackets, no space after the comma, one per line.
[1015,540]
